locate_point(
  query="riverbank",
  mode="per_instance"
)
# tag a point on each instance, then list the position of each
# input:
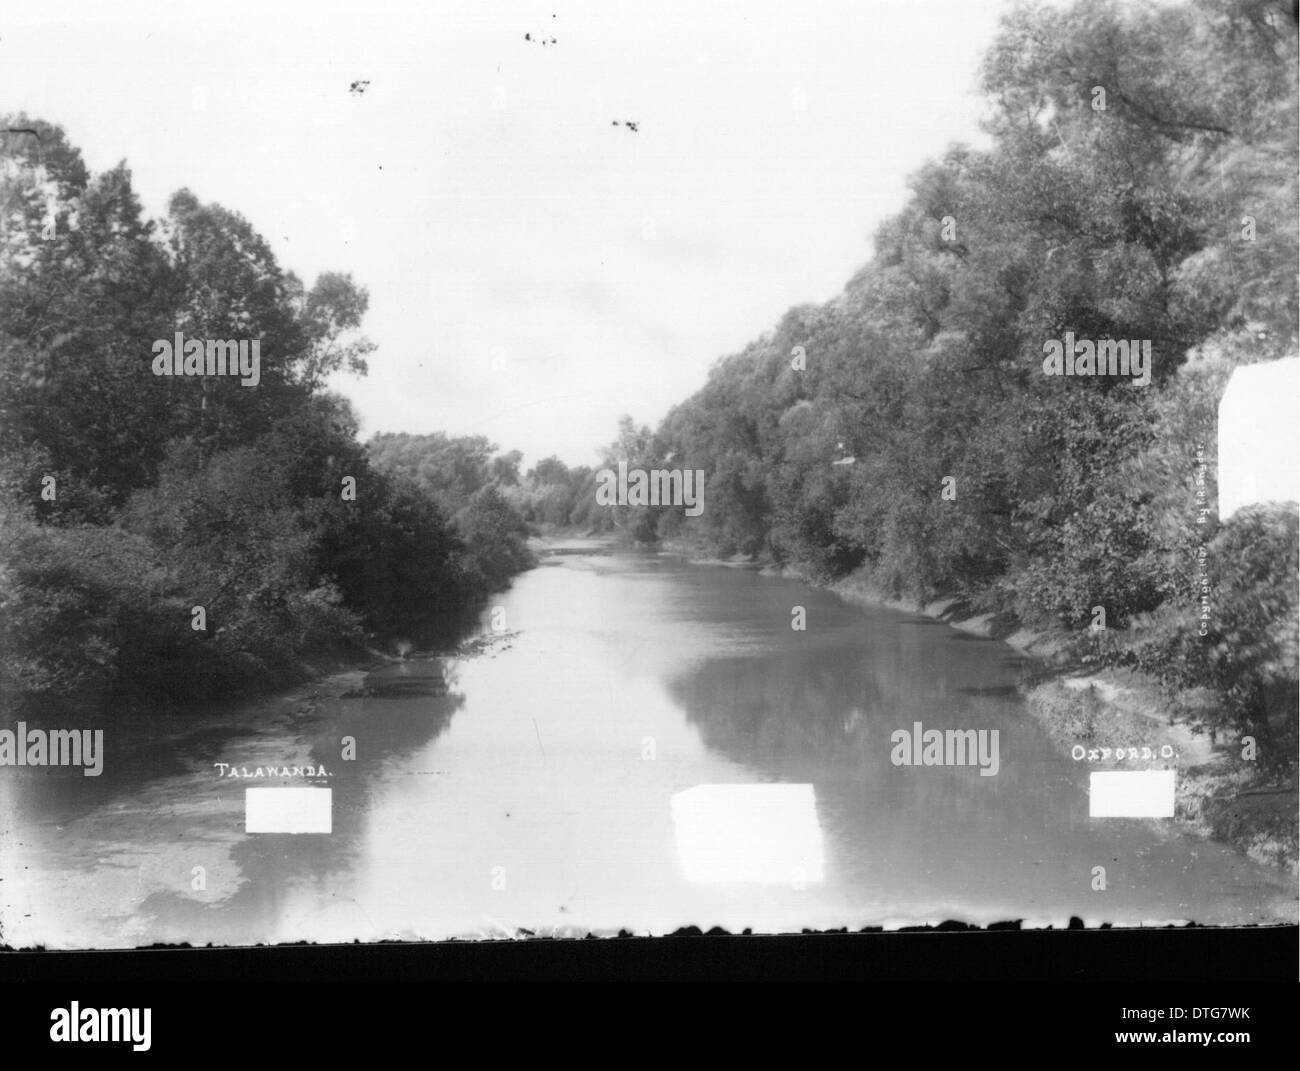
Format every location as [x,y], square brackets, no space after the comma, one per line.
[326,683]
[1221,794]
[1097,717]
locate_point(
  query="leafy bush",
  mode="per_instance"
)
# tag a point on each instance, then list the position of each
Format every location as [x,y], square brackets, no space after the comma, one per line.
[495,537]
[1247,657]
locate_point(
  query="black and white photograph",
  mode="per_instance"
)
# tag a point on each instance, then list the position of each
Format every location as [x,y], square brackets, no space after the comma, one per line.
[565,472]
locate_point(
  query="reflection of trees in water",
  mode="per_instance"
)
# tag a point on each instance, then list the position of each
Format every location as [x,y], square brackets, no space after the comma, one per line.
[827,717]
[766,709]
[400,710]
[160,767]
[820,702]
[145,746]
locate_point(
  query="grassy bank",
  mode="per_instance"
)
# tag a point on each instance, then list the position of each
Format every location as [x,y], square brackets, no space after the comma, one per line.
[1220,793]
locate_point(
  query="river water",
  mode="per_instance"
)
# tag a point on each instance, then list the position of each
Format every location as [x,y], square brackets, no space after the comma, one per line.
[558,782]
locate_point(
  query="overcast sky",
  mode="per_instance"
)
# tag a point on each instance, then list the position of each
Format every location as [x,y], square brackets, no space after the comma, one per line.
[478,188]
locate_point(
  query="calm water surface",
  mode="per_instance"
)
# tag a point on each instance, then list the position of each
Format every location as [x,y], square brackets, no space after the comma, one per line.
[531,787]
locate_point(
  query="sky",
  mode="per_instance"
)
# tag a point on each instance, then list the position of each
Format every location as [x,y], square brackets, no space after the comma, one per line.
[534,269]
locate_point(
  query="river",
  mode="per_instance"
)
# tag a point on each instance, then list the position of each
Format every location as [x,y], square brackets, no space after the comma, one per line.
[556,783]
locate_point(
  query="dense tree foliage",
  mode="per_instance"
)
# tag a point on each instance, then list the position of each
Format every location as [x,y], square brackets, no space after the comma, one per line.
[449,468]
[1141,184]
[175,534]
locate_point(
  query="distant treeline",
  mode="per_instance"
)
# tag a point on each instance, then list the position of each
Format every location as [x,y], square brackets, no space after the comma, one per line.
[555,497]
[1141,185]
[186,536]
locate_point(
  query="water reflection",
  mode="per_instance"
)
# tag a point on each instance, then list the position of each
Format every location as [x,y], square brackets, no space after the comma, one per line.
[654,748]
[155,850]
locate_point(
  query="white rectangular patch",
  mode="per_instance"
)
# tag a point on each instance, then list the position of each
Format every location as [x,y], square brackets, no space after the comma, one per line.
[1131,794]
[288,810]
[766,834]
